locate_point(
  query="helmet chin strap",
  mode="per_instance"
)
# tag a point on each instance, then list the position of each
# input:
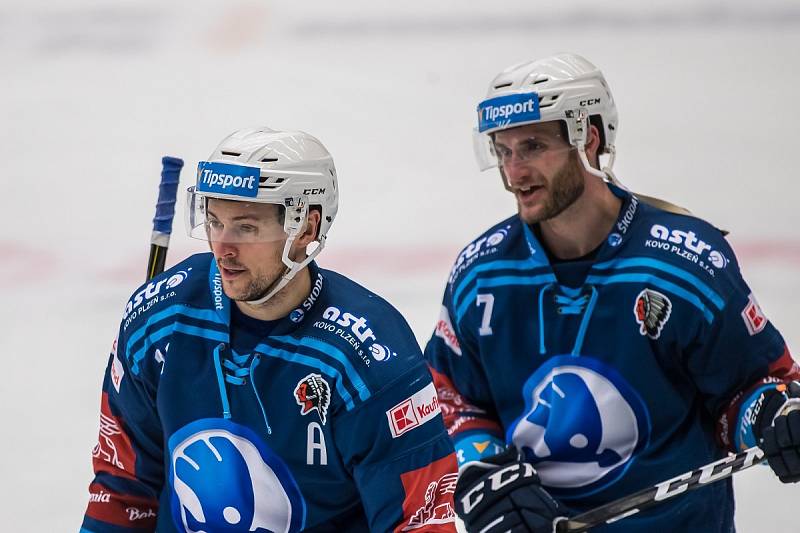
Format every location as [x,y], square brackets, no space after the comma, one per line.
[606,174]
[579,127]
[290,272]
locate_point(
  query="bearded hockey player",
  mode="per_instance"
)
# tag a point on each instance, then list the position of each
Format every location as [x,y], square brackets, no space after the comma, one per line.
[594,343]
[250,390]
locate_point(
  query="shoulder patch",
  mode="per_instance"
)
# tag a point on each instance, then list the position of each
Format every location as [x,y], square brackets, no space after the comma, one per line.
[652,310]
[414,411]
[754,318]
[313,393]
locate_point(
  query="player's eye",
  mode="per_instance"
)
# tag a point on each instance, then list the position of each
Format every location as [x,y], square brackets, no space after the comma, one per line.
[503,152]
[531,148]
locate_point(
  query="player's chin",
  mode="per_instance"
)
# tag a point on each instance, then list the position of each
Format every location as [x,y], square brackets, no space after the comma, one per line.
[530,214]
[235,289]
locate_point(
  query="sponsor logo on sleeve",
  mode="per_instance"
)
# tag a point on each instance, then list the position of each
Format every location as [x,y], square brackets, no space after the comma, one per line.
[100,496]
[113,452]
[437,508]
[381,352]
[477,445]
[117,370]
[123,510]
[313,393]
[135,513]
[151,294]
[753,316]
[414,411]
[429,490]
[357,324]
[355,330]
[444,330]
[477,249]
[688,245]
[652,310]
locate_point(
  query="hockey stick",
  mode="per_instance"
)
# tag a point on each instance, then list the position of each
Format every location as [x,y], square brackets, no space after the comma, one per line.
[165,212]
[633,503]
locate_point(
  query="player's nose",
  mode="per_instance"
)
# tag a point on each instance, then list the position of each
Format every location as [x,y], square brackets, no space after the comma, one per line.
[224,249]
[516,174]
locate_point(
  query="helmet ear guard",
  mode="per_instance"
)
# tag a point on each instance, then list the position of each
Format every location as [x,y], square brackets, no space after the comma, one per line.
[578,127]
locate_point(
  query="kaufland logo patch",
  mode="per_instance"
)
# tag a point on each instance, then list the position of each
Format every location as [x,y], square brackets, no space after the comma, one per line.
[754,318]
[225,178]
[414,411]
[503,111]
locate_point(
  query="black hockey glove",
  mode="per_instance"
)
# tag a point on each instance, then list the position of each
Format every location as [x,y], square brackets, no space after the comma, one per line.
[777,429]
[502,493]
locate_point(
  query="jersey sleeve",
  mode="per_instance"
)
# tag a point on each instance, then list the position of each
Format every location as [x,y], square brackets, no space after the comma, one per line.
[401,458]
[461,384]
[127,460]
[738,355]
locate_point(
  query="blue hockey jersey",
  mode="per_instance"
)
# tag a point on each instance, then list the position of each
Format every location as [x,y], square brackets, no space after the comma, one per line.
[636,373]
[326,420]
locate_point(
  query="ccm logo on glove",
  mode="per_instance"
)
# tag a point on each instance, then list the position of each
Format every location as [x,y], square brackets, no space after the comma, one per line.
[497,481]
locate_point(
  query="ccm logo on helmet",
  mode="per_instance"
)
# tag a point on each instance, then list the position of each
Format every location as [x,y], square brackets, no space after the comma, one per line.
[590,101]
[314,191]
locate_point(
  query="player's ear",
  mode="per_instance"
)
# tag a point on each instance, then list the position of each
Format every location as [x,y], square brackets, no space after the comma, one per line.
[593,145]
[311,229]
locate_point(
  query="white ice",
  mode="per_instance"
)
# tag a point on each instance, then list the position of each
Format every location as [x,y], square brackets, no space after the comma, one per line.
[94,93]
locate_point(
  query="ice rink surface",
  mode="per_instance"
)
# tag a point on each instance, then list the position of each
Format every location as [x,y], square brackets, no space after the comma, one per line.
[94,93]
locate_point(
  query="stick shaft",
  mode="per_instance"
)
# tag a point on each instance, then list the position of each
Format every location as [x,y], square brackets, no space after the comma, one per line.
[638,501]
[165,212]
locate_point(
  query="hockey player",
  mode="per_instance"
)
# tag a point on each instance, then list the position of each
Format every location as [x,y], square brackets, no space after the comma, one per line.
[250,390]
[594,344]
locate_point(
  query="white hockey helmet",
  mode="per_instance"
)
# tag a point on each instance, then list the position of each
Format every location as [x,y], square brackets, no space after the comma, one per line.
[291,169]
[563,87]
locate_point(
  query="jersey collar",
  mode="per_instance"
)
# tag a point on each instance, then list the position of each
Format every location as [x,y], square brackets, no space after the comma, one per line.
[615,240]
[222,304]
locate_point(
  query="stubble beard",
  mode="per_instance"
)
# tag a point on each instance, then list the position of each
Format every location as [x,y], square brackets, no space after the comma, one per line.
[565,188]
[259,285]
